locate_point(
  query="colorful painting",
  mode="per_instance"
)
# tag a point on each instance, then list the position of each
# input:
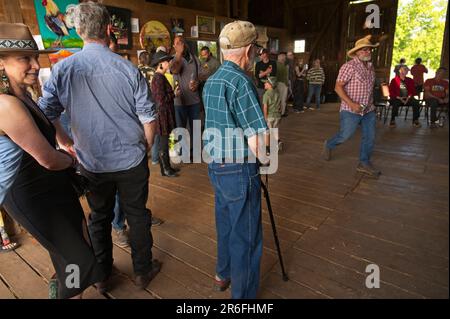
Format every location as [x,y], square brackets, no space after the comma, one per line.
[206,24]
[61,55]
[56,30]
[153,35]
[121,26]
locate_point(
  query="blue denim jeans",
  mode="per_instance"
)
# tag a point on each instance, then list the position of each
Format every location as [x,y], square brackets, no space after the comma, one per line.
[118,222]
[238,223]
[349,124]
[155,149]
[185,114]
[314,89]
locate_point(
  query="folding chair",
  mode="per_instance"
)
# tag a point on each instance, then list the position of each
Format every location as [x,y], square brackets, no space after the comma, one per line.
[382,101]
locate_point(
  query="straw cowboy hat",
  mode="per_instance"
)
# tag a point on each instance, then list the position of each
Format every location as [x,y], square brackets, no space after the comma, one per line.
[17,38]
[367,41]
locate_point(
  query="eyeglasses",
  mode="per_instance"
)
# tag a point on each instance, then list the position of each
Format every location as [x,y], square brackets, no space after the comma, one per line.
[367,49]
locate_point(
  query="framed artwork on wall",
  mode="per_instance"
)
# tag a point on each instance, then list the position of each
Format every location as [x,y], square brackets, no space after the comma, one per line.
[57,30]
[121,26]
[206,25]
[153,35]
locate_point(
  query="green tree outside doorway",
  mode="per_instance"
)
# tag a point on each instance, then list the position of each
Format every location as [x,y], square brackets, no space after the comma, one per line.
[420,32]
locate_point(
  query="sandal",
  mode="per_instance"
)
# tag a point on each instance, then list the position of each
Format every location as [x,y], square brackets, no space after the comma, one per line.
[10,246]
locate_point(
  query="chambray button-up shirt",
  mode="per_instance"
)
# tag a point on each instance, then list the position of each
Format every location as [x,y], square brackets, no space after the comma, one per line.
[231,101]
[107,101]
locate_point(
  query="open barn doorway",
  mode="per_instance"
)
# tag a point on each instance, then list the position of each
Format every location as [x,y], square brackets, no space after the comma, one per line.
[419,33]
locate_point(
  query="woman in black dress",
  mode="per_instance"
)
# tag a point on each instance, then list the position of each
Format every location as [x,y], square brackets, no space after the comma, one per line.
[163,96]
[41,197]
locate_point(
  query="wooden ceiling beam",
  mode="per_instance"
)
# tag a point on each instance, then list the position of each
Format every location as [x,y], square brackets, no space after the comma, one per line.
[310,3]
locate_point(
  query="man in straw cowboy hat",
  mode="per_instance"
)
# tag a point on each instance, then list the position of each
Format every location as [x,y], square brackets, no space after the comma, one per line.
[354,86]
[231,103]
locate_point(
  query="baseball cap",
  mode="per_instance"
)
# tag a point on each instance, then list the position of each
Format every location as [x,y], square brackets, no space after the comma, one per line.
[237,34]
[272,80]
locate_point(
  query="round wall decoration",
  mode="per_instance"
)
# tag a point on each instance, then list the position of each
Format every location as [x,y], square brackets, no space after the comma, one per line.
[153,35]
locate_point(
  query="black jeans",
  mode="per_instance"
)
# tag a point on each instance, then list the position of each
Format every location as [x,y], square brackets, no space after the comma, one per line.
[433,104]
[164,143]
[299,98]
[412,102]
[132,187]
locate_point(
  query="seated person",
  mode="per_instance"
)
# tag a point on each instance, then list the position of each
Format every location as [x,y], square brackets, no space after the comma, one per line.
[436,93]
[401,92]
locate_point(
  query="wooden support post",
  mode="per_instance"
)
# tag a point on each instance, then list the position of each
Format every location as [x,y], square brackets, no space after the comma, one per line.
[244,9]
[228,6]
[289,16]
[344,32]
[444,54]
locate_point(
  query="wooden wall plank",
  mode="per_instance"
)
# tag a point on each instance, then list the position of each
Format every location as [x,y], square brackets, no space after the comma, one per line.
[12,12]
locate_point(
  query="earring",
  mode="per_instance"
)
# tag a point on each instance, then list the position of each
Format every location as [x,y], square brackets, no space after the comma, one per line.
[4,83]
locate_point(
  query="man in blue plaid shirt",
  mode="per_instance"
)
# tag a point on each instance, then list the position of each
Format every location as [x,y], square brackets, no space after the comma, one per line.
[234,124]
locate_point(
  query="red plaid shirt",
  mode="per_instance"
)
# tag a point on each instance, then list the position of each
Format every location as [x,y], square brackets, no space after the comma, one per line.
[359,81]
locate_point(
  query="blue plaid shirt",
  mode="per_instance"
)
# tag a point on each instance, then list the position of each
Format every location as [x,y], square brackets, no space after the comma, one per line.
[231,102]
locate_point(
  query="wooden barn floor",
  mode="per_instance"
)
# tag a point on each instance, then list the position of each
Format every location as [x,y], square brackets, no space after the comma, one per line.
[331,222]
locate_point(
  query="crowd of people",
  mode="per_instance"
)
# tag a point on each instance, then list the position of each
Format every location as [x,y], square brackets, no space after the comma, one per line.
[417,93]
[105,117]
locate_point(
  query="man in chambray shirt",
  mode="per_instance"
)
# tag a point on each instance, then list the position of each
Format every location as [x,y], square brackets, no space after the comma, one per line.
[112,117]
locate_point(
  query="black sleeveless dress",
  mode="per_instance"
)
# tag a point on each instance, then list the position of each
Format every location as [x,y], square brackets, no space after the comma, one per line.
[46,205]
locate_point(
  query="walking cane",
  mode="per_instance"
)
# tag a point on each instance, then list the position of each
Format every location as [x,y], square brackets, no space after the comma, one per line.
[274,229]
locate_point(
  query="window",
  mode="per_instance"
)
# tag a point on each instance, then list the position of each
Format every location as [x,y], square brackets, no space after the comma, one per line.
[299,46]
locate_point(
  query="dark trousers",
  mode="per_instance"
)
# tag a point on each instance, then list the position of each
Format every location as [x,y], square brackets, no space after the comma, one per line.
[132,187]
[299,98]
[164,143]
[419,88]
[412,102]
[185,114]
[433,104]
